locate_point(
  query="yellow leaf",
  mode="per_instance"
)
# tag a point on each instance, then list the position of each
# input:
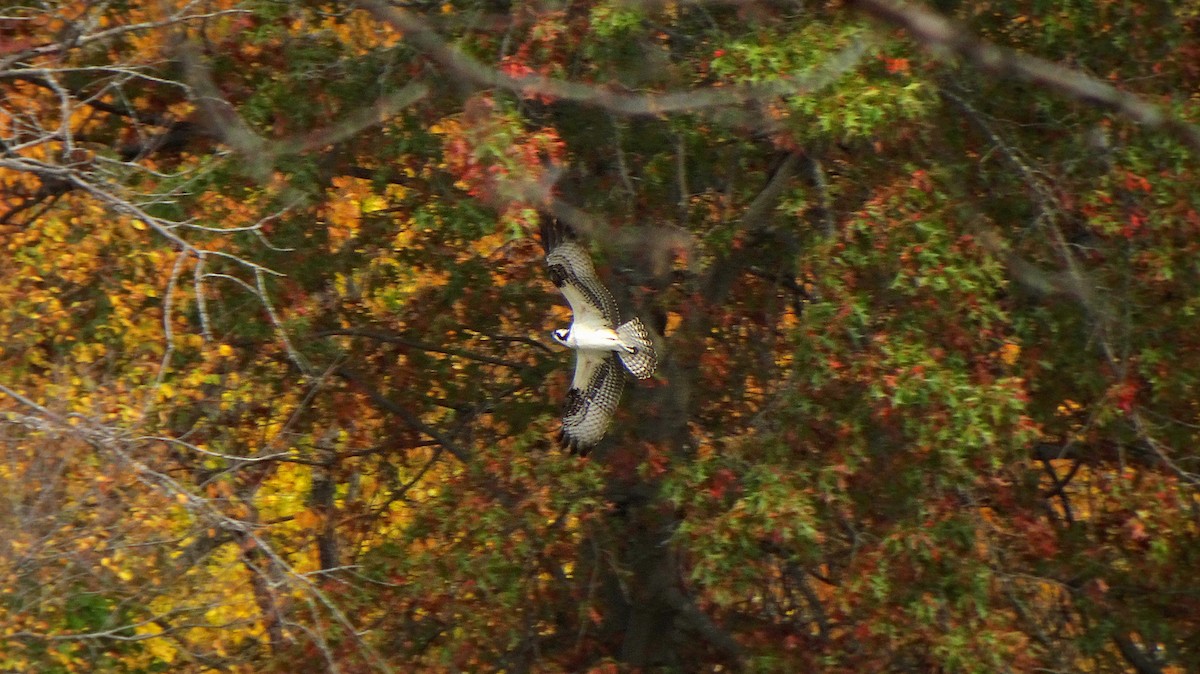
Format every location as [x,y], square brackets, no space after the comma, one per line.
[308,519]
[161,649]
[1009,353]
[373,203]
[673,320]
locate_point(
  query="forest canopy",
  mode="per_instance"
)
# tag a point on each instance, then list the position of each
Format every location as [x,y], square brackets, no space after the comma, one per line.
[278,392]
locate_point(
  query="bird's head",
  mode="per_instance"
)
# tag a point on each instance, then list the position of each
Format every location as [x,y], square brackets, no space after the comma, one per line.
[560,335]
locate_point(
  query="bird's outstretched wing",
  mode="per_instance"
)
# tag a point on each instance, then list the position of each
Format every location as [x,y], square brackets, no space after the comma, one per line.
[592,400]
[572,272]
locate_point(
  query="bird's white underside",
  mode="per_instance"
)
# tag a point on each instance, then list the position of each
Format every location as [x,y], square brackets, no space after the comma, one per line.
[584,337]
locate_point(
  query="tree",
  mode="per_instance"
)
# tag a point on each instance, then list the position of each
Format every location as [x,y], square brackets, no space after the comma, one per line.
[276,389]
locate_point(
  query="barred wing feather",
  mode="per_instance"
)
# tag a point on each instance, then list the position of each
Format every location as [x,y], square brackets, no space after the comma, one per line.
[592,400]
[573,274]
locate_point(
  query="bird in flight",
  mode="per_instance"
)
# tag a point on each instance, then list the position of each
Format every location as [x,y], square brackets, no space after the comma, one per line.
[604,347]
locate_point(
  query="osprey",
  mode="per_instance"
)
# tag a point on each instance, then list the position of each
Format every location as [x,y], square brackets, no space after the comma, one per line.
[604,347]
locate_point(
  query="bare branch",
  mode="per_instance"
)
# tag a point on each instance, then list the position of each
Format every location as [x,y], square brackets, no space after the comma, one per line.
[108,34]
[296,357]
[373,115]
[410,419]
[702,624]
[939,33]
[421,36]
[221,118]
[419,345]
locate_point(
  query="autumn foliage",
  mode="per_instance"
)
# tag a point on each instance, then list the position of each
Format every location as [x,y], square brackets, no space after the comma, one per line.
[277,392]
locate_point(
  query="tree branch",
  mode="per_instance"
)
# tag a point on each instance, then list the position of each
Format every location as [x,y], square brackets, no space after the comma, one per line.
[939,33]
[422,37]
[1134,655]
[754,220]
[705,627]
[410,419]
[393,338]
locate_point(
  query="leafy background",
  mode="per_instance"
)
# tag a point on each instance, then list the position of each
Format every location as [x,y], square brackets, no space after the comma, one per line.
[277,393]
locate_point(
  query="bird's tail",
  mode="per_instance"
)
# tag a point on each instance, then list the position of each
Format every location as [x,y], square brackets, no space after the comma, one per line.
[637,352]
